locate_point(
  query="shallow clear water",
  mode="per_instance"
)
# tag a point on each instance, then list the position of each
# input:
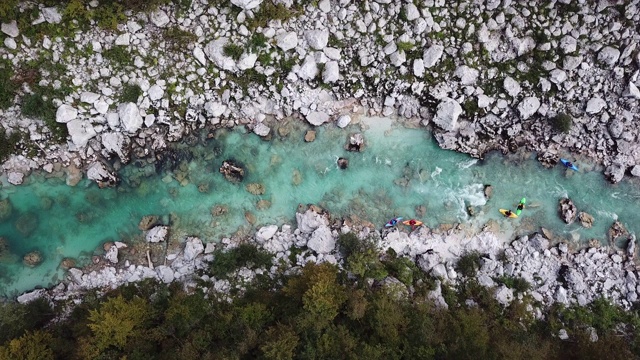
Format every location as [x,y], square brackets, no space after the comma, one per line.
[399,170]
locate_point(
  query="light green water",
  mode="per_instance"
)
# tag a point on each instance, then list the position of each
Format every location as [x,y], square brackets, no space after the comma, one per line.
[399,170]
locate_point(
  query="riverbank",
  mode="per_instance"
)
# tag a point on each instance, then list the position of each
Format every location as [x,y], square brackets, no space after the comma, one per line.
[481,76]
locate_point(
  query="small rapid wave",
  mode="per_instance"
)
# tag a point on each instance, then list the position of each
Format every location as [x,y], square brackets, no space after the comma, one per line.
[467,164]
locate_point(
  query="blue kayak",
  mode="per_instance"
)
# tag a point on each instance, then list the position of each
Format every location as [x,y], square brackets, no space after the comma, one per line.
[393,222]
[569,164]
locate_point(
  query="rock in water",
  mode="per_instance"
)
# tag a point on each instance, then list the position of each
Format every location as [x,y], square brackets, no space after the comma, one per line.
[310,136]
[343,163]
[231,171]
[5,209]
[157,234]
[631,247]
[616,230]
[255,188]
[356,142]
[568,210]
[33,259]
[147,222]
[104,178]
[585,219]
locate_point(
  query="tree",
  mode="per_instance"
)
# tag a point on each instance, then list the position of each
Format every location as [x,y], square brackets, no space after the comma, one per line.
[115,322]
[280,344]
[34,345]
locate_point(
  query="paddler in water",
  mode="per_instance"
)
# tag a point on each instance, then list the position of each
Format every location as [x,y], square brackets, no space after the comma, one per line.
[412,222]
[520,207]
[507,213]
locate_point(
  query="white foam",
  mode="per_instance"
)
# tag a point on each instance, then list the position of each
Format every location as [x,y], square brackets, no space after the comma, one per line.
[467,164]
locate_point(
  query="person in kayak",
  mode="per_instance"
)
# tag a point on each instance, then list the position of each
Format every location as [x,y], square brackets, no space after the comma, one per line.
[520,206]
[507,213]
[569,164]
[412,222]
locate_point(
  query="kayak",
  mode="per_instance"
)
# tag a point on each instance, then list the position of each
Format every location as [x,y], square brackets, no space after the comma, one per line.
[504,212]
[415,222]
[521,206]
[567,162]
[393,222]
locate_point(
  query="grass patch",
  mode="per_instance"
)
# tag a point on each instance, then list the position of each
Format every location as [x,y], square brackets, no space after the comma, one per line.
[119,56]
[269,11]
[39,105]
[7,87]
[257,41]
[405,46]
[562,122]
[233,51]
[130,93]
[177,38]
[519,285]
[245,255]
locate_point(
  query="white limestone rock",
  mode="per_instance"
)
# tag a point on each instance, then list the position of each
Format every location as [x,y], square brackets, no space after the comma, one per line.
[215,52]
[81,132]
[287,41]
[432,55]
[246,4]
[609,56]
[159,18]
[504,295]
[447,114]
[165,274]
[322,241]
[261,129]
[66,113]
[114,142]
[130,118]
[595,105]
[632,91]
[89,97]
[192,248]
[214,108]
[467,75]
[123,39]
[511,86]
[331,72]
[112,255]
[199,55]
[10,43]
[15,177]
[31,296]
[317,39]
[10,28]
[310,221]
[51,15]
[247,61]
[317,118]
[343,121]
[411,11]
[528,106]
[265,233]
[157,234]
[418,68]
[155,93]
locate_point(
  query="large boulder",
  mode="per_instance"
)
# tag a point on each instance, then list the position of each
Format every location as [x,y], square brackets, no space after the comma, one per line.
[265,233]
[528,106]
[157,234]
[215,52]
[287,41]
[66,113]
[432,55]
[447,114]
[116,142]
[112,254]
[317,39]
[246,4]
[33,259]
[317,118]
[310,221]
[192,248]
[99,173]
[81,132]
[130,118]
[322,240]
[232,172]
[568,210]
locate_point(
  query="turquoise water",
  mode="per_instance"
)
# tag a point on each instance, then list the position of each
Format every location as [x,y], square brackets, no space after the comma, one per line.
[400,170]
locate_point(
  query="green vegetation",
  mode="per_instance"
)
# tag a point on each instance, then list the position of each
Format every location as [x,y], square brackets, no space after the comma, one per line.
[405,46]
[130,93]
[469,264]
[119,56]
[518,284]
[233,51]
[8,144]
[562,122]
[177,38]
[7,87]
[269,11]
[317,313]
[245,255]
[7,9]
[257,41]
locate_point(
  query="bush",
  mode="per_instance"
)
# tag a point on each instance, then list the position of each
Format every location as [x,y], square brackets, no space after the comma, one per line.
[562,122]
[233,51]
[35,105]
[519,285]
[8,144]
[118,55]
[225,262]
[7,87]
[130,93]
[469,264]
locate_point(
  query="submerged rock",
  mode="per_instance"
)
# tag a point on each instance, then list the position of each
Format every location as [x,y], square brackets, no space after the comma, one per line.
[231,171]
[617,230]
[5,209]
[157,234]
[67,263]
[310,136]
[585,219]
[356,142]
[343,163]
[4,247]
[147,222]
[27,223]
[255,188]
[33,259]
[568,210]
[297,177]
[219,210]
[263,204]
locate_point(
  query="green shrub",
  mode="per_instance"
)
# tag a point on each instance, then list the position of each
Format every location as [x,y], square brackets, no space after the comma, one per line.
[35,105]
[7,87]
[130,93]
[119,56]
[7,9]
[8,144]
[405,46]
[257,41]
[562,122]
[361,257]
[269,11]
[225,262]
[471,107]
[233,51]
[177,38]
[469,264]
[518,284]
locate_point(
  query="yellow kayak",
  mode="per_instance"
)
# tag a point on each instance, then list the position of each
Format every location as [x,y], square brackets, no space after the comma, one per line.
[504,212]
[412,222]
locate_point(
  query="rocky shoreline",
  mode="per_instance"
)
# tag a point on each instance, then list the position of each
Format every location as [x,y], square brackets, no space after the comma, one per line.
[482,77]
[554,274]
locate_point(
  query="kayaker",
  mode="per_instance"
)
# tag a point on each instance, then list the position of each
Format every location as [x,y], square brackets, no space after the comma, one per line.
[508,213]
[520,206]
[569,164]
